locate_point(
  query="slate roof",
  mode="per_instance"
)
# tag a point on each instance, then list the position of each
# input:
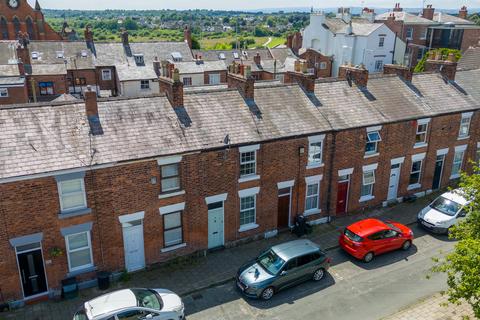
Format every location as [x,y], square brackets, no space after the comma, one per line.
[441,17]
[50,137]
[11,81]
[360,27]
[9,70]
[281,54]
[72,54]
[214,55]
[48,69]
[200,67]
[470,59]
[407,18]
[5,51]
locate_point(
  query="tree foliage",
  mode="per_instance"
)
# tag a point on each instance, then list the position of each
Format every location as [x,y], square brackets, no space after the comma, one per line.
[462,266]
[420,67]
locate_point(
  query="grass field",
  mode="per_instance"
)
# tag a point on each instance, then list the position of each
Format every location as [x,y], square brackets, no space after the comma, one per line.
[224,43]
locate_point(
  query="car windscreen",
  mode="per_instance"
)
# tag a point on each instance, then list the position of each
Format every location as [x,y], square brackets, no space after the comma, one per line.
[271,262]
[352,236]
[446,206]
[148,299]
[80,315]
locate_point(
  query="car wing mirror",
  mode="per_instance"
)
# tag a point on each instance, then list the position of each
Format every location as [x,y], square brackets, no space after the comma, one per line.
[283,273]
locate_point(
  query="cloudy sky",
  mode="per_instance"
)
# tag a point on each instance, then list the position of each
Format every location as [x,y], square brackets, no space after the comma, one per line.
[241,4]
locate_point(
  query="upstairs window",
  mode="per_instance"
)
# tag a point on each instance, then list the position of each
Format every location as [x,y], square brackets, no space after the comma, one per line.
[46,88]
[423,34]
[3,93]
[139,60]
[214,78]
[187,81]
[315,150]
[409,33]
[72,194]
[421,133]
[465,125]
[381,42]
[106,74]
[248,163]
[145,84]
[373,138]
[170,177]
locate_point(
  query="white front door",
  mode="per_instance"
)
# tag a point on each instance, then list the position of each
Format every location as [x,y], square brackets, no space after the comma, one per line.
[215,225]
[394,179]
[133,244]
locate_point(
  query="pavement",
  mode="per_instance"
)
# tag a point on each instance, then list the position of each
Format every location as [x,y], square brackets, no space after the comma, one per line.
[435,307]
[190,277]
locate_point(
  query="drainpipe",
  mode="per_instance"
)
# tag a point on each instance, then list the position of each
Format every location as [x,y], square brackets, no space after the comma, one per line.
[330,175]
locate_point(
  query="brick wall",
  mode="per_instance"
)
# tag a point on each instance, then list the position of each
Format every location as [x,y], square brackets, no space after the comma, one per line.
[314,59]
[15,95]
[111,84]
[127,189]
[223,76]
[60,86]
[471,38]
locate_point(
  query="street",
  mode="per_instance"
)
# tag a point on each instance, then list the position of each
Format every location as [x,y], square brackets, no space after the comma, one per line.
[352,290]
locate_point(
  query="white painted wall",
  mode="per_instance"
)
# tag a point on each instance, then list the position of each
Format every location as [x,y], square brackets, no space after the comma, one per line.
[133,89]
[197,78]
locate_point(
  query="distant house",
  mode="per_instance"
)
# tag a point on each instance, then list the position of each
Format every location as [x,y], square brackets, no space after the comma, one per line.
[347,40]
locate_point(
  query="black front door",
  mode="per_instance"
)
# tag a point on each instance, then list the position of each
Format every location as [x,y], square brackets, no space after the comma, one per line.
[437,176]
[32,273]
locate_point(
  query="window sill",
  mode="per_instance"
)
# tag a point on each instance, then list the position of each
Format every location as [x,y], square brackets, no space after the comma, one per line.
[249,178]
[463,138]
[74,213]
[312,212]
[247,227]
[81,271]
[172,248]
[172,194]
[420,145]
[455,176]
[371,155]
[315,165]
[414,186]
[366,198]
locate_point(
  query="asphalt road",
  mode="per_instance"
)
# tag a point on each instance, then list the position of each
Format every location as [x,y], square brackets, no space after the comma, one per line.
[352,290]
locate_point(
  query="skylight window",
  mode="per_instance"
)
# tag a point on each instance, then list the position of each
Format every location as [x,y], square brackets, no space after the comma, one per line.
[84,53]
[60,55]
[139,60]
[235,55]
[222,56]
[35,55]
[177,56]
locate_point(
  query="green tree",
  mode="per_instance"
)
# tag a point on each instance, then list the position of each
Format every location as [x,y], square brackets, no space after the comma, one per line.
[462,266]
[195,43]
[130,24]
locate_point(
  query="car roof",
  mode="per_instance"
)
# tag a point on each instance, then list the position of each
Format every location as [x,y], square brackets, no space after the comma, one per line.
[367,227]
[292,249]
[455,196]
[110,302]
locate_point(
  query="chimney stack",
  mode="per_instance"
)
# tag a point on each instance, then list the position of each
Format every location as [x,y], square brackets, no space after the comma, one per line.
[173,88]
[187,36]
[156,66]
[359,75]
[463,13]
[245,83]
[403,72]
[447,68]
[397,7]
[91,106]
[305,80]
[257,59]
[125,40]
[89,39]
[428,12]
[290,41]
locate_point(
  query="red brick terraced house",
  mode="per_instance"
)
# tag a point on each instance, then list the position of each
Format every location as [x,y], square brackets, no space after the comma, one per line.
[122,184]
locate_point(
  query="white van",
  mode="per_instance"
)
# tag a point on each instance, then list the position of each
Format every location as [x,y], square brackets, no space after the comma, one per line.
[444,212]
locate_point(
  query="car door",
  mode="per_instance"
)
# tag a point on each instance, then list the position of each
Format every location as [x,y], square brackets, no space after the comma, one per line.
[288,275]
[138,314]
[306,266]
[376,243]
[391,239]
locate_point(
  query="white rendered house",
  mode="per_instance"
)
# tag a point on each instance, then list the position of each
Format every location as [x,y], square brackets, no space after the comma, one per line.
[356,41]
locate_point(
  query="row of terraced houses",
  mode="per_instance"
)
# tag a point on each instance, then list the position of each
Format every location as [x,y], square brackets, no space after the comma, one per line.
[122,184]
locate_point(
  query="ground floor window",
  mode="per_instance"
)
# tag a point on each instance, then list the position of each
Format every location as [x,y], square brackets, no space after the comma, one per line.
[311,200]
[172,229]
[145,84]
[367,183]
[457,163]
[416,172]
[79,251]
[247,210]
[187,81]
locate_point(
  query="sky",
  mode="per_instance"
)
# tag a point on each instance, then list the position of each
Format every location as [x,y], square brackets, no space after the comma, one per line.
[243,4]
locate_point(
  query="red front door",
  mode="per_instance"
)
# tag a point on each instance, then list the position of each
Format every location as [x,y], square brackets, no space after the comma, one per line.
[342,195]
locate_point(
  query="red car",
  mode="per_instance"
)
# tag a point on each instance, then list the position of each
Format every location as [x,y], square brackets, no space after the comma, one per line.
[370,237]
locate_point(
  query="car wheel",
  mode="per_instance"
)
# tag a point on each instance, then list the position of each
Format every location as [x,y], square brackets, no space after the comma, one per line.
[368,257]
[406,245]
[267,293]
[319,274]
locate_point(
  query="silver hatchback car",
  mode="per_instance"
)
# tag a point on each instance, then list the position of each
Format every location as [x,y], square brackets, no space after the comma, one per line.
[282,266]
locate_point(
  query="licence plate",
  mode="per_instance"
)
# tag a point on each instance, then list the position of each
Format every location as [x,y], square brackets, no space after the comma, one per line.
[426,224]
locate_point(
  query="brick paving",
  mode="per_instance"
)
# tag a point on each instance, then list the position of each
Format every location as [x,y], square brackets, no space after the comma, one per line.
[187,276]
[434,308]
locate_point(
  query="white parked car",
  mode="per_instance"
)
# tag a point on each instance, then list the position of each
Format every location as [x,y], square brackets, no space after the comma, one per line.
[444,212]
[133,304]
